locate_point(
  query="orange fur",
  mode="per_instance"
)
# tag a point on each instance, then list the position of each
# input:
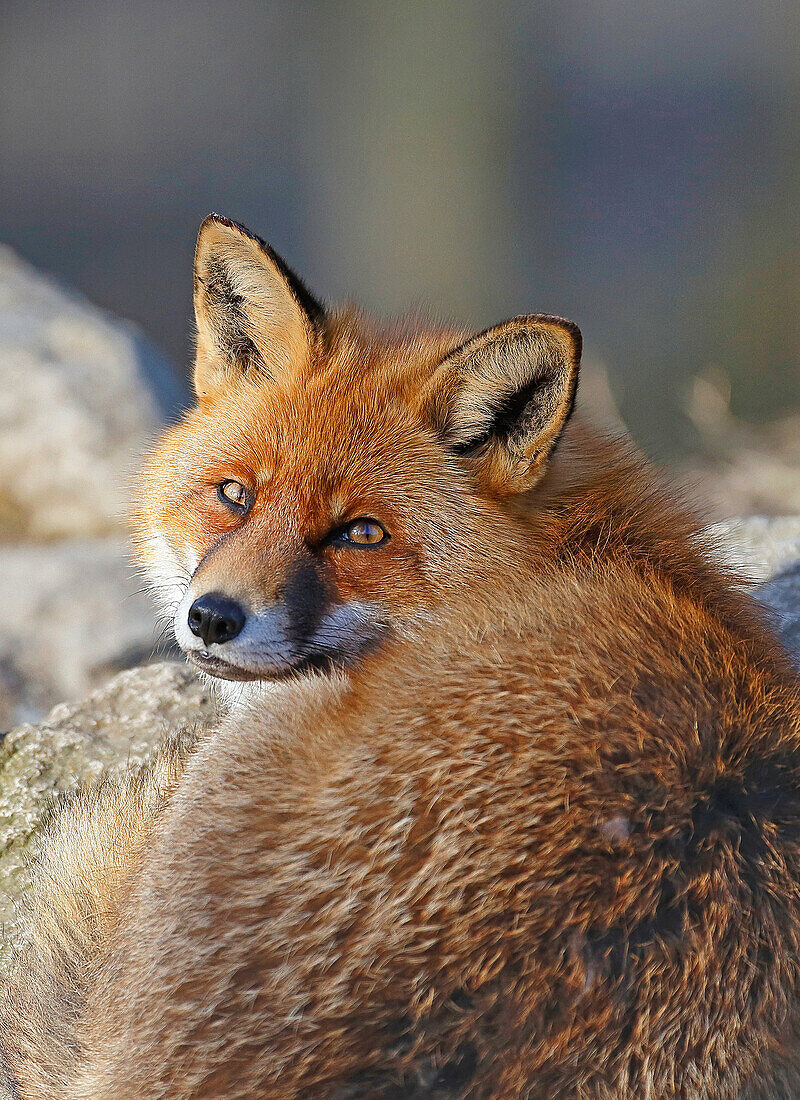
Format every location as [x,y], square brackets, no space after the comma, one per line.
[538,837]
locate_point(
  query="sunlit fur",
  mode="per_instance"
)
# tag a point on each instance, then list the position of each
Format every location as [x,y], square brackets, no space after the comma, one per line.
[361,427]
[539,839]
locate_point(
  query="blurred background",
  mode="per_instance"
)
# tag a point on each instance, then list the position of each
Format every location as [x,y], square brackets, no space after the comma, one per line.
[634,166]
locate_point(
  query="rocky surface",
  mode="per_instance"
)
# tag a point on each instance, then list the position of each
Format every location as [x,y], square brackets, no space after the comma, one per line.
[114,728]
[80,395]
[75,615]
[741,469]
[759,547]
[766,552]
[782,595]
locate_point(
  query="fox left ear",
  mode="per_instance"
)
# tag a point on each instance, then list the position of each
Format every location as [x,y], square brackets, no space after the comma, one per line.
[502,399]
[252,311]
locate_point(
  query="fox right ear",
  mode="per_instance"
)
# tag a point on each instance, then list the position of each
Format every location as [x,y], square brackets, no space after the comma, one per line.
[502,399]
[253,313]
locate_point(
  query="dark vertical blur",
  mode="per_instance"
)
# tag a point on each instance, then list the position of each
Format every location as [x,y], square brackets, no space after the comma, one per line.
[634,166]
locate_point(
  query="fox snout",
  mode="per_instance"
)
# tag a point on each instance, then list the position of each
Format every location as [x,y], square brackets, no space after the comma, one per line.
[216,618]
[304,628]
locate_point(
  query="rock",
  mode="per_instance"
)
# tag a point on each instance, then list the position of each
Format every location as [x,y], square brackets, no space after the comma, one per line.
[782,595]
[114,728]
[759,547]
[768,551]
[75,615]
[80,395]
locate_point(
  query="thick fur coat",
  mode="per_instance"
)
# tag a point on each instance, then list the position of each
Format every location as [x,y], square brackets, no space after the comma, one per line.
[537,837]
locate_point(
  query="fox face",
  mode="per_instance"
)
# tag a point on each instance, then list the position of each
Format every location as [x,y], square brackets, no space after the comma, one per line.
[336,485]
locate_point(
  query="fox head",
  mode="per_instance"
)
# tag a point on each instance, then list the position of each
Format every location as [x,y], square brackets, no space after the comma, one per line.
[336,484]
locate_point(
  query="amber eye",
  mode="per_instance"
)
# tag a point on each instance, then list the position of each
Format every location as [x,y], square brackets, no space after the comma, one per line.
[234,495]
[362,532]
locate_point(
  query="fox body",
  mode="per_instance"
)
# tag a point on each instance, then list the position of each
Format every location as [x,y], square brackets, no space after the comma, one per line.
[508,800]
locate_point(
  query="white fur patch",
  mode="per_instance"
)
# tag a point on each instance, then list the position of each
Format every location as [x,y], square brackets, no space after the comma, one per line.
[167,574]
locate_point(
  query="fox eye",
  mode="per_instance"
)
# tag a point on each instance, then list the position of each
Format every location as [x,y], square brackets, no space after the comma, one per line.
[362,532]
[234,495]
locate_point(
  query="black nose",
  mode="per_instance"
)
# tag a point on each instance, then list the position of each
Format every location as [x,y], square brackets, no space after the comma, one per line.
[216,618]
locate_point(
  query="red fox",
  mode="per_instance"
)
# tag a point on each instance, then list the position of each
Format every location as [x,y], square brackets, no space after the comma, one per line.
[507,804]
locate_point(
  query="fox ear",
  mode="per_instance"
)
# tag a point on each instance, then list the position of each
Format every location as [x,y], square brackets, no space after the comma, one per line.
[252,311]
[502,399]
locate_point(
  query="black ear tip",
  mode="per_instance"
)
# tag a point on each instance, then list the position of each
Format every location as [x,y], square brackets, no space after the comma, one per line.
[228,223]
[572,330]
[207,245]
[218,219]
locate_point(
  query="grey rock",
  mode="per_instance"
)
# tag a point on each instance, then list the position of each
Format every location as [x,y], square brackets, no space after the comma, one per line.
[81,394]
[766,552]
[74,615]
[114,728]
[759,547]
[782,596]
